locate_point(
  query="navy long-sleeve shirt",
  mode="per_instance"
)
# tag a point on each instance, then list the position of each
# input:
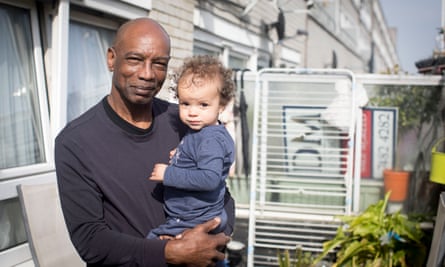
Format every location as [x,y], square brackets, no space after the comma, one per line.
[194,183]
[103,164]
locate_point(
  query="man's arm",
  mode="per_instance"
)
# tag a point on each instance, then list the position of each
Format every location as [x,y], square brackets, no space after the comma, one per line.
[82,206]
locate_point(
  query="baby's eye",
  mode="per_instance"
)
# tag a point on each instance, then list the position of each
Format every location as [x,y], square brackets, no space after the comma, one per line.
[204,105]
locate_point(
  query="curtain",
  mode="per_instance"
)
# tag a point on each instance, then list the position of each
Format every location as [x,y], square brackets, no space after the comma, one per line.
[89,79]
[21,138]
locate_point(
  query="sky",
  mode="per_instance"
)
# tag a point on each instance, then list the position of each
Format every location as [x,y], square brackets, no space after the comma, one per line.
[417,23]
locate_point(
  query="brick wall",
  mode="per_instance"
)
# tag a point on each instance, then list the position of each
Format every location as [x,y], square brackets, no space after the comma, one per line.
[177,18]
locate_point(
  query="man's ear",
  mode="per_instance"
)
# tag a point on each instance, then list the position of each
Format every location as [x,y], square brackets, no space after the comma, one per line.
[111,56]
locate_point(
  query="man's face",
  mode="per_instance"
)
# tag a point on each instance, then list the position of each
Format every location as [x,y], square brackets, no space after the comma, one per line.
[139,62]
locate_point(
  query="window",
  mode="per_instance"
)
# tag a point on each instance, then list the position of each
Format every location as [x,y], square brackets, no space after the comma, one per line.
[12,231]
[228,56]
[22,117]
[237,61]
[89,79]
[203,50]
[21,131]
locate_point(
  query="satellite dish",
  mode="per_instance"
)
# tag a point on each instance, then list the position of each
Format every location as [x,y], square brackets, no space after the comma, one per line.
[280,25]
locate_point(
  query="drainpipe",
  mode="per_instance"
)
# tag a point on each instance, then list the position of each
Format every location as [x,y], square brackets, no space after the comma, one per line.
[442,41]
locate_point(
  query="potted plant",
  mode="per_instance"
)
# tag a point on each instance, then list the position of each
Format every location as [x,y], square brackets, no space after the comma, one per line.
[300,259]
[417,107]
[377,238]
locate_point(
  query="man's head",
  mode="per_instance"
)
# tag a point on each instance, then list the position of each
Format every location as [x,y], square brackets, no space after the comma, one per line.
[139,60]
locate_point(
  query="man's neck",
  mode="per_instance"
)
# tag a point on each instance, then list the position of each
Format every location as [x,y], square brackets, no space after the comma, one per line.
[138,115]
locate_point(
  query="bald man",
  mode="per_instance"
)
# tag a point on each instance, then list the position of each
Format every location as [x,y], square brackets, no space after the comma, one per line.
[103,159]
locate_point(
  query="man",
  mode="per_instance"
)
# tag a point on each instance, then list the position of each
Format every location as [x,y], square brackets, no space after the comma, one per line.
[104,157]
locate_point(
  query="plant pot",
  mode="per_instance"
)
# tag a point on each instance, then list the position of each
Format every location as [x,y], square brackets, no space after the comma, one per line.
[437,173]
[397,182]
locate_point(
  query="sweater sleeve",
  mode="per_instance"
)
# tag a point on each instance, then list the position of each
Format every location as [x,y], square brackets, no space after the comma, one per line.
[208,173]
[82,207]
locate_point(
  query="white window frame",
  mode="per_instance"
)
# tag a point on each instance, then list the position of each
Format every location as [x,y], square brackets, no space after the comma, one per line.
[129,9]
[11,177]
[43,104]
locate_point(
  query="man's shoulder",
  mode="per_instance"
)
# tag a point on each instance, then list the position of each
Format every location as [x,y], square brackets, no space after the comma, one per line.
[161,106]
[165,111]
[84,121]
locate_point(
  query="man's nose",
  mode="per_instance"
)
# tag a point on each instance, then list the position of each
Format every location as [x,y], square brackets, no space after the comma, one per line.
[147,72]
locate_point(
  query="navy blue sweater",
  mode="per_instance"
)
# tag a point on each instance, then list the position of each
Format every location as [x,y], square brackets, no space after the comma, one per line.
[103,164]
[194,183]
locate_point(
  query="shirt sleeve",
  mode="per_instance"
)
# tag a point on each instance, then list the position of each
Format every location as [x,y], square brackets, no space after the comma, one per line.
[82,207]
[207,175]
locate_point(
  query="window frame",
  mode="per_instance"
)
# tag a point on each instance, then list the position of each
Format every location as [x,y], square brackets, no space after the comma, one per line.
[42,100]
[34,173]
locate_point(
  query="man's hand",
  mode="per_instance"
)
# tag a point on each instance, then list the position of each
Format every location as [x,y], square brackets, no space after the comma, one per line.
[196,247]
[157,174]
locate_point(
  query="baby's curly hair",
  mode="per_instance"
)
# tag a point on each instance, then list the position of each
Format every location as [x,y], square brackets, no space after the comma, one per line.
[208,68]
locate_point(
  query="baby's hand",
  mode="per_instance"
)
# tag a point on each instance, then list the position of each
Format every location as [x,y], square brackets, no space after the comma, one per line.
[158,172]
[172,153]
[166,237]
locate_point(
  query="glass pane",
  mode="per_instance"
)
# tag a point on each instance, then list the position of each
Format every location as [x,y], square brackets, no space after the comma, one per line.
[417,120]
[401,125]
[203,51]
[12,231]
[21,137]
[237,62]
[89,79]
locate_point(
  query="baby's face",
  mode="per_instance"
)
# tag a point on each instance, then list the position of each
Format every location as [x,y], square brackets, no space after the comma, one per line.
[199,102]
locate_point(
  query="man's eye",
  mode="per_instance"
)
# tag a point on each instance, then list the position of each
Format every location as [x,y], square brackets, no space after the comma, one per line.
[160,65]
[134,59]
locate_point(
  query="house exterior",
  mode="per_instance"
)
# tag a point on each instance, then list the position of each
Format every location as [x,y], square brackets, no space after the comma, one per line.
[52,64]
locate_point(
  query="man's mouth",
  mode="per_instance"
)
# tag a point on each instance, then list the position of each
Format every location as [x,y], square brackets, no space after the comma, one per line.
[144,90]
